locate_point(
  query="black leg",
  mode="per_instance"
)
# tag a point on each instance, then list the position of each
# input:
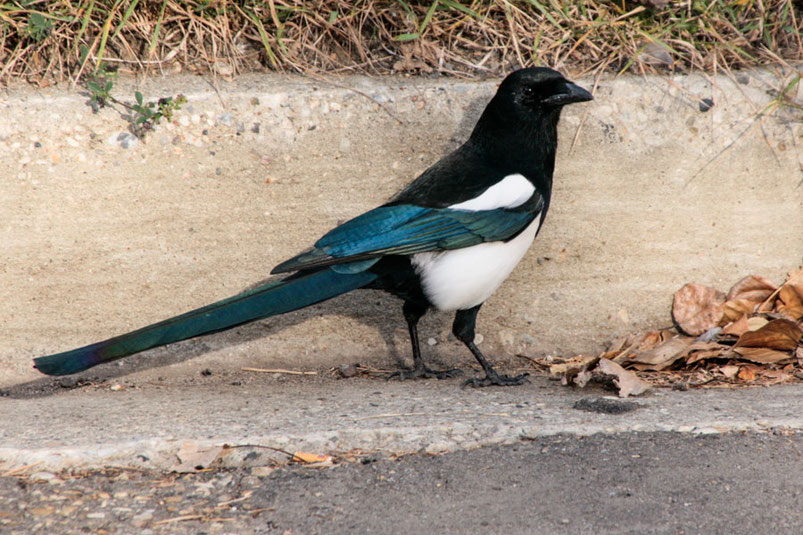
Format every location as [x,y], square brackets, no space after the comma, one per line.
[463,329]
[412,313]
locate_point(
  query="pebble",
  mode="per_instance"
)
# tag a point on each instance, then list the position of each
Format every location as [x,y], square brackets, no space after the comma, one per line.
[48,477]
[260,471]
[705,431]
[432,342]
[226,119]
[143,518]
[123,139]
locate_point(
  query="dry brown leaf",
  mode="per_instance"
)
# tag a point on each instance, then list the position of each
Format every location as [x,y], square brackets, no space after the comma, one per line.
[312,458]
[729,371]
[761,355]
[756,322]
[193,457]
[575,371]
[704,350]
[736,328]
[775,377]
[628,383]
[791,297]
[697,308]
[654,338]
[575,363]
[662,355]
[650,340]
[735,309]
[752,288]
[619,344]
[748,373]
[778,334]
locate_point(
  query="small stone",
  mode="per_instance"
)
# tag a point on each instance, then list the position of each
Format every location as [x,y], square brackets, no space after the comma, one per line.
[116,387]
[43,476]
[96,516]
[347,370]
[71,142]
[124,140]
[706,104]
[432,342]
[478,339]
[605,405]
[226,119]
[143,518]
[184,120]
[223,68]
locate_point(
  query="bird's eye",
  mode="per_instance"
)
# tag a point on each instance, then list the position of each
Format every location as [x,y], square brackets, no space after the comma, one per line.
[528,91]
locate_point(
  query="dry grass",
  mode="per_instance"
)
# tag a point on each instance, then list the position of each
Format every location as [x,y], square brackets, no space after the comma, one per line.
[49,40]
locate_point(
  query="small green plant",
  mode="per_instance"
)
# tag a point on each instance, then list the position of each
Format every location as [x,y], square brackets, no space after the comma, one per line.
[144,115]
[149,113]
[38,27]
[100,85]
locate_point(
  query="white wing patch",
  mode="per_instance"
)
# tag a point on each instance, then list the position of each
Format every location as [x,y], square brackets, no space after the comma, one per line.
[463,278]
[510,192]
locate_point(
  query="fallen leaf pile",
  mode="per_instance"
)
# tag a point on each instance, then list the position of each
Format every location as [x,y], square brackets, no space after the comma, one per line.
[751,335]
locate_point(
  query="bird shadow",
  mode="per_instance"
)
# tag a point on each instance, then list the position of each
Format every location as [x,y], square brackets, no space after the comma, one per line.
[372,308]
[353,305]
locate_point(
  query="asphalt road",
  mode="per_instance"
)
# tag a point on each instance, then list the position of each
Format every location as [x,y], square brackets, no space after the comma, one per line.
[644,483]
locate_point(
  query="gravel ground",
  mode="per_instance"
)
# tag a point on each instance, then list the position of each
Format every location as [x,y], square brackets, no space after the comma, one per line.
[624,483]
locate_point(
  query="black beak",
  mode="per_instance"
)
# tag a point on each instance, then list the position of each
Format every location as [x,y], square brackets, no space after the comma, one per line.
[569,92]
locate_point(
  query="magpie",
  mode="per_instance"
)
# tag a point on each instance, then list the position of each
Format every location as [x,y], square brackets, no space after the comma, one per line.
[447,241]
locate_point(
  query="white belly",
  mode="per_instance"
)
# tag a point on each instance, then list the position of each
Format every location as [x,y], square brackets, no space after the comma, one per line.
[464,278]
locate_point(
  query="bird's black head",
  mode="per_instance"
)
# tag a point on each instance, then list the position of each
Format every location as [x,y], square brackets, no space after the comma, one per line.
[538,90]
[520,122]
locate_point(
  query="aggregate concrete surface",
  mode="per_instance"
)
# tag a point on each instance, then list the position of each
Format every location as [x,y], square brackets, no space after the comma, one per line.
[102,233]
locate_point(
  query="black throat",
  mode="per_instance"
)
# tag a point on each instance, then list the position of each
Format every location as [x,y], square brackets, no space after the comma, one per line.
[517,144]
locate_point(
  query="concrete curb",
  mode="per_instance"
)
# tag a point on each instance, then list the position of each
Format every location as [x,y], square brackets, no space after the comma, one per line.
[146,429]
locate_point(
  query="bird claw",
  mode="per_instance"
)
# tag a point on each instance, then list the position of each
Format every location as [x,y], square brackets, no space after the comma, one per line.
[424,373]
[497,380]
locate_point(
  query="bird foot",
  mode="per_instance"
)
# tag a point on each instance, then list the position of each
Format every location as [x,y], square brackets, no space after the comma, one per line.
[494,379]
[425,373]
